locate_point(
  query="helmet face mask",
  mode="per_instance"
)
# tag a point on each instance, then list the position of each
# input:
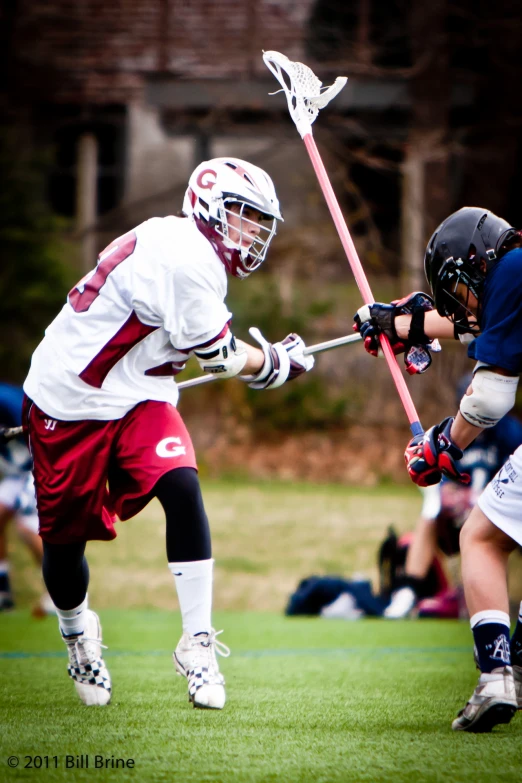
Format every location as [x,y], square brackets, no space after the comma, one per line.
[460,253]
[223,197]
[458,294]
[241,232]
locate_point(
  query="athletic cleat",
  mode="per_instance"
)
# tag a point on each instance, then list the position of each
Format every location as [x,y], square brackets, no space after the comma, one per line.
[86,666]
[195,659]
[517,676]
[494,701]
[401,605]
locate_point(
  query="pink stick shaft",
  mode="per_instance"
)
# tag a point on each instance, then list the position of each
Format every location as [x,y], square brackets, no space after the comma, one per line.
[360,277]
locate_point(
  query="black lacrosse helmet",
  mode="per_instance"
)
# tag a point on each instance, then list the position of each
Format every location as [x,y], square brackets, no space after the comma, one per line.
[462,250]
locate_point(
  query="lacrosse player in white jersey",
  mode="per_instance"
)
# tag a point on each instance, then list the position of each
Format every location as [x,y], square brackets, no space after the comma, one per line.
[101,416]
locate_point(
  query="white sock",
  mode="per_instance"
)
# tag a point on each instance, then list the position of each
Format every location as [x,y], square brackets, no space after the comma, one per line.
[194,588]
[4,567]
[72,621]
[520,612]
[489,616]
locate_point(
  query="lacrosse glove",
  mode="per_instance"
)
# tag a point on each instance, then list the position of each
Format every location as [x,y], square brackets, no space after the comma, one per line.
[433,454]
[284,361]
[378,318]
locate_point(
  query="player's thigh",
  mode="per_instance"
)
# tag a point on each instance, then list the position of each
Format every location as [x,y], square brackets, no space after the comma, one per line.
[152,441]
[27,522]
[479,530]
[70,475]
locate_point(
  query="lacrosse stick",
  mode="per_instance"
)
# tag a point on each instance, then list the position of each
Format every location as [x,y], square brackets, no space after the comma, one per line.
[306,96]
[13,432]
[317,348]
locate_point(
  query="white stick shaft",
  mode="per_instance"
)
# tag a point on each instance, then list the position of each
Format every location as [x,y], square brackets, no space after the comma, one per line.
[336,343]
[317,348]
[196,381]
[328,345]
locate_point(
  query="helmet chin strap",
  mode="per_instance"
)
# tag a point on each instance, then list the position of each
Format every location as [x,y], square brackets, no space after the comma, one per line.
[244,251]
[229,256]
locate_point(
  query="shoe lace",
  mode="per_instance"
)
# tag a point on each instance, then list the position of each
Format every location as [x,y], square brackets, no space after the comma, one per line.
[220,648]
[81,649]
[205,646]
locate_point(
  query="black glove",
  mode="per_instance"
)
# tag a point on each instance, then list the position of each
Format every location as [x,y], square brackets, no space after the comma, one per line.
[378,318]
[433,454]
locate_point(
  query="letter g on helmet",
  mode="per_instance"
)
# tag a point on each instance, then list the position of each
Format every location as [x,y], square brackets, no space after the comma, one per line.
[213,187]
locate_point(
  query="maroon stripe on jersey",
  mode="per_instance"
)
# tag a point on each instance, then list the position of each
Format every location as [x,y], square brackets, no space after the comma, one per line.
[129,335]
[208,343]
[169,368]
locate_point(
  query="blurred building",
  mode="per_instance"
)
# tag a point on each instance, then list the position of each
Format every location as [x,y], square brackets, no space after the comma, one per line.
[126,97]
[131,94]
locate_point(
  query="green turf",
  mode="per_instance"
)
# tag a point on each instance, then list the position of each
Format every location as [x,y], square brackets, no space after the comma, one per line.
[308,700]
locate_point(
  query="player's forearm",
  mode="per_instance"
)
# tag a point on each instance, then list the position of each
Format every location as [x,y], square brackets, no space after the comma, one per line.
[434,326]
[255,359]
[462,432]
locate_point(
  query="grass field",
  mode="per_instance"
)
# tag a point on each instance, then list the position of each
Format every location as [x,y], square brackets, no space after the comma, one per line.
[308,699]
[266,537]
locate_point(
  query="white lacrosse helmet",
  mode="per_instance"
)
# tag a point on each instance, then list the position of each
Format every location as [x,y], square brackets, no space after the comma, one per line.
[224,187]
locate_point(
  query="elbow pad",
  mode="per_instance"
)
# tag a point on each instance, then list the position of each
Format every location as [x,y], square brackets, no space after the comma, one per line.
[222,357]
[493,396]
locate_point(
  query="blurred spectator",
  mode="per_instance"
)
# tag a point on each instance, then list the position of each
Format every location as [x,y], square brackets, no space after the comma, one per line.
[17,498]
[335,597]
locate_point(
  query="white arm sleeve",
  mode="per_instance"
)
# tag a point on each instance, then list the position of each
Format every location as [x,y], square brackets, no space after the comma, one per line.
[492,397]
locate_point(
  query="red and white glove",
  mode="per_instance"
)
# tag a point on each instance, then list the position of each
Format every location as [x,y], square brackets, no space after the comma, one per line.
[284,361]
[433,454]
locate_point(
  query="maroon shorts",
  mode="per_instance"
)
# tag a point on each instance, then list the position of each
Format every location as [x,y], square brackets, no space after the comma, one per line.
[89,472]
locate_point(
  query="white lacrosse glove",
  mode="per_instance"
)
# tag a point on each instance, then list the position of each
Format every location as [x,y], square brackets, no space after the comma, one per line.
[284,361]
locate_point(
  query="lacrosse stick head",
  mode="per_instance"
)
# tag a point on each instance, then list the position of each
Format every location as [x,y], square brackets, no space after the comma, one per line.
[304,92]
[235,206]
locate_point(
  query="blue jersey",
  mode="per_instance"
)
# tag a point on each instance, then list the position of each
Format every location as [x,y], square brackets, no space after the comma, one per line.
[11,398]
[490,450]
[500,341]
[14,456]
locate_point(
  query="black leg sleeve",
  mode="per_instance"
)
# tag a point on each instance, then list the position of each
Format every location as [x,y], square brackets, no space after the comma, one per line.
[66,573]
[188,532]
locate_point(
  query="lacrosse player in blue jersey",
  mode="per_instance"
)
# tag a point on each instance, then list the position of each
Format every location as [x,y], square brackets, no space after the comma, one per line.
[473,263]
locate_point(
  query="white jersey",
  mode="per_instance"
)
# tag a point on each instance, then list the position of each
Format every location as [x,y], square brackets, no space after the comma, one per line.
[156,293]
